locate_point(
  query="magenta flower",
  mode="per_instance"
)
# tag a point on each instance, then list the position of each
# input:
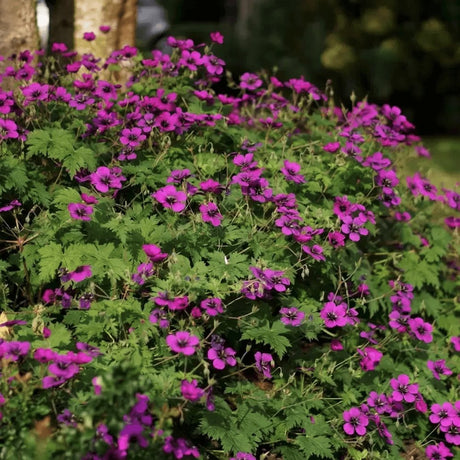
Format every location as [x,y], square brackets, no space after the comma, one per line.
[421,329]
[89,36]
[159,316]
[212,306]
[336,345]
[183,342]
[243,456]
[171,198]
[353,227]
[438,452]
[35,92]
[264,362]
[403,389]
[211,186]
[13,204]
[80,273]
[80,211]
[89,199]
[144,271]
[217,37]
[154,253]
[438,368]
[221,356]
[64,367]
[51,381]
[180,447]
[379,402]
[178,176]
[334,315]
[13,351]
[371,358]
[443,414]
[191,390]
[316,251]
[355,422]
[452,432]
[332,147]
[291,172]
[210,213]
[455,341]
[132,137]
[105,178]
[292,316]
[104,29]
[336,239]
[250,81]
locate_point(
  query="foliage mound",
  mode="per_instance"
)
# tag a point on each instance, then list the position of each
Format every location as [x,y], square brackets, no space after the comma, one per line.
[187,273]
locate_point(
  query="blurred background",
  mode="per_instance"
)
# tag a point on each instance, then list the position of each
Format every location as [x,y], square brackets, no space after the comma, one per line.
[400,52]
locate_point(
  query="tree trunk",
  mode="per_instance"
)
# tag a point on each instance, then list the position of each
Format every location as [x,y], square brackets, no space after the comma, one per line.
[61,28]
[120,15]
[18,26]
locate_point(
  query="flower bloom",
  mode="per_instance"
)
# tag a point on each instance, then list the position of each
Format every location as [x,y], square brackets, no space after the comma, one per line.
[80,273]
[217,37]
[144,271]
[336,345]
[438,452]
[154,253]
[13,204]
[438,368]
[421,329]
[179,447]
[292,316]
[250,81]
[221,356]
[183,342]
[243,456]
[334,315]
[444,414]
[132,137]
[210,213]
[80,211]
[371,358]
[355,422]
[455,342]
[191,391]
[263,363]
[171,198]
[316,251]
[403,389]
[291,172]
[212,306]
[353,227]
[13,351]
[379,402]
[89,36]
[105,178]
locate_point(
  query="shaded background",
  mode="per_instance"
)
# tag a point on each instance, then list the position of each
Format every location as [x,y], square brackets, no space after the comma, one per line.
[402,52]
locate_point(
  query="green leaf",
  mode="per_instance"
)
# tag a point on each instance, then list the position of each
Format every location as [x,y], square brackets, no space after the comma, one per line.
[269,335]
[51,257]
[318,446]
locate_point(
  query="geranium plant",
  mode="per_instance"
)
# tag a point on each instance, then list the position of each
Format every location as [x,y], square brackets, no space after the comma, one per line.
[192,274]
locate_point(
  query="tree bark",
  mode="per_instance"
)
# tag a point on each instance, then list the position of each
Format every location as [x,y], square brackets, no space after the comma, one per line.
[120,15]
[18,26]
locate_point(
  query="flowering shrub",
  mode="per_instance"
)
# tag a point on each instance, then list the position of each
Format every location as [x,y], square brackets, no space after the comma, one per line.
[187,273]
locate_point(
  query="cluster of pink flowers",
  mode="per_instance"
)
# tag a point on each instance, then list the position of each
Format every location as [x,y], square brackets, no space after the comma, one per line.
[336,312]
[265,282]
[400,318]
[145,270]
